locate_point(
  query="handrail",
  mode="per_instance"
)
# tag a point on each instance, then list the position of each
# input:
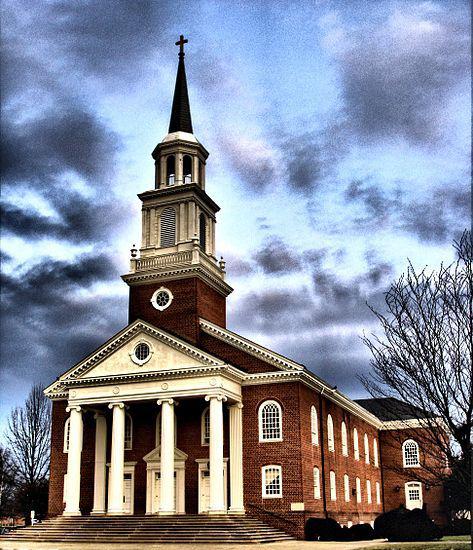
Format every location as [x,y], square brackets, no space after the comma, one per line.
[273,514]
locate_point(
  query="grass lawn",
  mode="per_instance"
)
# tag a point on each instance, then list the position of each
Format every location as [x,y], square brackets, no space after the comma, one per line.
[454,542]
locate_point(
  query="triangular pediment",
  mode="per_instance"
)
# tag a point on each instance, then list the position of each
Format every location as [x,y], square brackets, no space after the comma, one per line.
[117,357]
[155,455]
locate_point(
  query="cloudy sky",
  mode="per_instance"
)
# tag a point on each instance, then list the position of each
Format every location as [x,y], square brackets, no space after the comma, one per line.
[339,147]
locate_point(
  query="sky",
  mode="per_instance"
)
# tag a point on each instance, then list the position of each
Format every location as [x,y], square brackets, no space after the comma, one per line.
[339,139]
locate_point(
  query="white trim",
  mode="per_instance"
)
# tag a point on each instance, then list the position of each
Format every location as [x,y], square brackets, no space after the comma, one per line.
[155,294]
[409,442]
[277,467]
[263,439]
[410,423]
[133,356]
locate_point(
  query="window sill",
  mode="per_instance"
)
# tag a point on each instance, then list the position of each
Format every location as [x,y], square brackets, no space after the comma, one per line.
[265,497]
[270,440]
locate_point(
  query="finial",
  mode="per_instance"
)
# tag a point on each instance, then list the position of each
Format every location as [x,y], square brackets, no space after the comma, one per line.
[181,43]
[133,251]
[222,263]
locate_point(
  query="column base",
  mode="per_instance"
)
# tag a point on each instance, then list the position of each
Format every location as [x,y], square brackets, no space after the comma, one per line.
[97,513]
[71,514]
[236,510]
[115,513]
[166,513]
[217,512]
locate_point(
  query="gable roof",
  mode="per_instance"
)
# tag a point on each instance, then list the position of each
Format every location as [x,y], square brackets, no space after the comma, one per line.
[391,409]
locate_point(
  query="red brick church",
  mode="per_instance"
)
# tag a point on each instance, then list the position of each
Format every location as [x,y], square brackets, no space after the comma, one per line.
[176,414]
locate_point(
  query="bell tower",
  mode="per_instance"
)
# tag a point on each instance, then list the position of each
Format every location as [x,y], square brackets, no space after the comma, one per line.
[175,277]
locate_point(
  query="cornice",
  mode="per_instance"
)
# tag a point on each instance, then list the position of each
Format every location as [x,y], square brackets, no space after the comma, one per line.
[180,189]
[410,423]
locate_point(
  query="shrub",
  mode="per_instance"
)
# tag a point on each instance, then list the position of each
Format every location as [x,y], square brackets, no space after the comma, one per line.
[403,525]
[362,531]
[322,529]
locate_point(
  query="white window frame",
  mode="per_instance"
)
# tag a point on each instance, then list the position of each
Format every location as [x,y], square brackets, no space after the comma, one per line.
[356,444]
[367,449]
[330,434]
[344,439]
[266,439]
[314,426]
[316,483]
[204,440]
[368,491]
[413,485]
[132,355]
[67,431]
[375,453]
[128,445]
[404,445]
[156,305]
[378,493]
[358,489]
[346,487]
[333,485]
[264,470]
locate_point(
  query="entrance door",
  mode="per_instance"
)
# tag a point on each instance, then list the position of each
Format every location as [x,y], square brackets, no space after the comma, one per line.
[127,493]
[204,487]
[413,495]
[157,491]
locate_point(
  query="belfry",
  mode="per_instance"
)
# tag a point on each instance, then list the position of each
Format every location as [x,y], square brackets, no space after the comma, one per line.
[176,415]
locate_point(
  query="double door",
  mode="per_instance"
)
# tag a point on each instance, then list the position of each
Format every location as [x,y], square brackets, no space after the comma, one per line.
[157,491]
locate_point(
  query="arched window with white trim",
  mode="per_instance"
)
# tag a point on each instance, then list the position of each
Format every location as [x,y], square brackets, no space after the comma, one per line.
[330,438]
[367,449]
[344,439]
[346,487]
[205,427]
[67,431]
[375,453]
[358,489]
[333,486]
[271,481]
[128,432]
[410,454]
[187,168]
[270,421]
[316,483]
[168,227]
[368,491]
[314,426]
[356,446]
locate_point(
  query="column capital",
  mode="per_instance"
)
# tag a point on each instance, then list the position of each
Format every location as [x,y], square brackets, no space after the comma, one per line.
[168,400]
[237,405]
[218,396]
[119,405]
[76,408]
[99,414]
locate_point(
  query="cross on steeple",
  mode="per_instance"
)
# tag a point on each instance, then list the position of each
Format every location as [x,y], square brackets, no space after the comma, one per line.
[181,43]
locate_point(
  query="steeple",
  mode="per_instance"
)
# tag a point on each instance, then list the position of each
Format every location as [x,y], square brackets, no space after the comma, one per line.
[181,113]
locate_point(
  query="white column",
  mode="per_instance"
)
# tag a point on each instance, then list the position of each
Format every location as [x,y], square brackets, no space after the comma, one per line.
[100,463]
[166,493]
[236,459]
[115,494]
[191,220]
[217,498]
[195,169]
[73,461]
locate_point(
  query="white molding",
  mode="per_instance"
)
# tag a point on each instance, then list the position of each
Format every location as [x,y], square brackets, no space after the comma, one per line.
[262,439]
[135,359]
[155,294]
[410,423]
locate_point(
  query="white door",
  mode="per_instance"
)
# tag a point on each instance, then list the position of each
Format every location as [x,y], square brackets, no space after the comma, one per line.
[413,495]
[127,493]
[204,491]
[157,491]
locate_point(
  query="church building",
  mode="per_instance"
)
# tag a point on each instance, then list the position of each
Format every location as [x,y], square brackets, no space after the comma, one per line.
[177,415]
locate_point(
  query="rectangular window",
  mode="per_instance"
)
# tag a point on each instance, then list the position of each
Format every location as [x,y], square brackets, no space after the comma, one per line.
[358,490]
[346,487]
[333,486]
[272,481]
[368,491]
[316,483]
[378,493]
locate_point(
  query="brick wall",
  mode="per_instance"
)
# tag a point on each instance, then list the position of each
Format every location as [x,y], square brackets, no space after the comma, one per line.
[58,461]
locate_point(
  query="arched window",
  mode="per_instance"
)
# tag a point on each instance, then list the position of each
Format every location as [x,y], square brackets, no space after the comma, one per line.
[333,486]
[378,493]
[375,453]
[367,449]
[410,454]
[187,168]
[356,447]
[344,440]
[67,431]
[158,429]
[128,432]
[314,426]
[358,489]
[330,439]
[270,421]
[168,227]
[346,487]
[271,481]
[171,170]
[316,483]
[368,491]
[205,427]
[202,231]
[413,491]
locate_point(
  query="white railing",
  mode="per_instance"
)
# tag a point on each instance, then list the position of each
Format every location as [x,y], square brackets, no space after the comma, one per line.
[184,257]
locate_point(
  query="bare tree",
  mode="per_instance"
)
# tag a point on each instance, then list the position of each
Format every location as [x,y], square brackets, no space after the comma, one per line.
[28,435]
[7,482]
[424,358]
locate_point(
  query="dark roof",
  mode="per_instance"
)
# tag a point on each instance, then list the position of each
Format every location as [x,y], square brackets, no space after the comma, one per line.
[390,408]
[181,112]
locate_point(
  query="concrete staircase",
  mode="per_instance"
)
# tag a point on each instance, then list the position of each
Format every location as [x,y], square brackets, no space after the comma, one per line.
[149,529]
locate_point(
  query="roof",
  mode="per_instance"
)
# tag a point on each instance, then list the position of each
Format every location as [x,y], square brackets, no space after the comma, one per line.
[181,113]
[390,408]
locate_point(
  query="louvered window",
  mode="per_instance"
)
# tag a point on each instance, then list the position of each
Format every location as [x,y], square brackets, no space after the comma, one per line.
[187,168]
[168,227]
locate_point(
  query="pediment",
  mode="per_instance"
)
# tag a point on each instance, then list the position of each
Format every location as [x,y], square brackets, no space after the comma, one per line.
[155,455]
[117,356]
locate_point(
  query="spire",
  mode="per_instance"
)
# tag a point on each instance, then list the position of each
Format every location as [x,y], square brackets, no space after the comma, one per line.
[181,112]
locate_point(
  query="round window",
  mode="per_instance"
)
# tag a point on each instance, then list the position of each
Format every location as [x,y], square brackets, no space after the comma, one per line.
[142,352]
[162,298]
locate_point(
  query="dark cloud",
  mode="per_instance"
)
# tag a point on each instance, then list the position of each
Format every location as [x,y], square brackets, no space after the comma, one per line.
[397,77]
[276,257]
